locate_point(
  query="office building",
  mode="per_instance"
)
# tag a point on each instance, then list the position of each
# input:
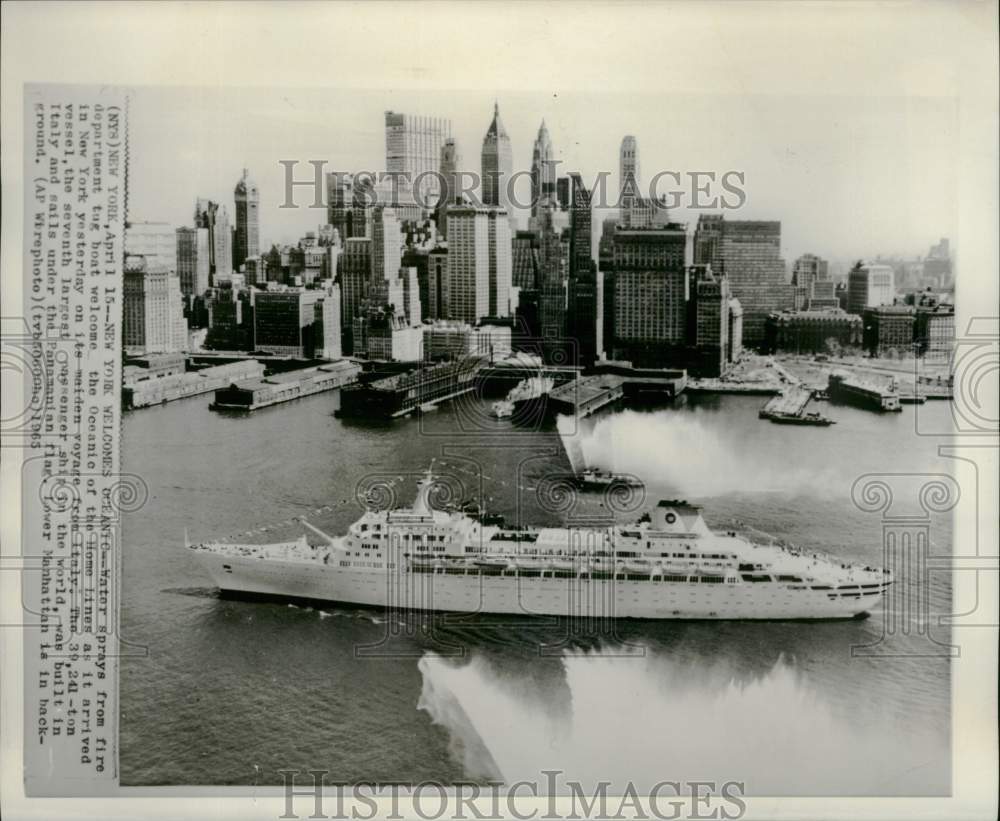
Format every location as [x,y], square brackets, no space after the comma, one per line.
[934,331]
[823,296]
[386,244]
[479,263]
[582,304]
[499,255]
[711,332]
[438,304]
[346,209]
[247,237]
[813,331]
[384,335]
[870,285]
[413,151]
[889,330]
[748,254]
[215,219]
[543,169]
[497,164]
[284,322]
[650,294]
[192,260]
[628,176]
[327,322]
[451,184]
[355,278]
[152,307]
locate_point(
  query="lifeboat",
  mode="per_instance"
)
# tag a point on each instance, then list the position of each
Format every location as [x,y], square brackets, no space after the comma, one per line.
[602,565]
[563,564]
[636,566]
[531,563]
[491,564]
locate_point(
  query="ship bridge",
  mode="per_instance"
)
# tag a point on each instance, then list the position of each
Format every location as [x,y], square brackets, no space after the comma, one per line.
[678,517]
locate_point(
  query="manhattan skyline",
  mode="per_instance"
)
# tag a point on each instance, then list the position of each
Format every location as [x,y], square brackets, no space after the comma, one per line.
[840,173]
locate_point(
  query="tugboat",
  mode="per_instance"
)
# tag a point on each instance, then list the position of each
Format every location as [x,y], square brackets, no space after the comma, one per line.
[807,418]
[597,478]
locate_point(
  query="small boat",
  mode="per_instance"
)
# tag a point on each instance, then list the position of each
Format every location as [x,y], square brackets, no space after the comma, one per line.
[491,564]
[808,418]
[597,478]
[563,564]
[426,561]
[531,563]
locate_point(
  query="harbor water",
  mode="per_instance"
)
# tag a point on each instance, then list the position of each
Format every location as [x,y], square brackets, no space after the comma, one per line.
[221,691]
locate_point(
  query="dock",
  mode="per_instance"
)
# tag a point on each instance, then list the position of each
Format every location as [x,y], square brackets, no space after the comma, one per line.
[586,395]
[843,388]
[143,388]
[409,392]
[725,386]
[791,403]
[253,394]
[790,409]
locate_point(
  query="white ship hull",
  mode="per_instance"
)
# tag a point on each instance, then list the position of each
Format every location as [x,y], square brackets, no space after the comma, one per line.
[533,595]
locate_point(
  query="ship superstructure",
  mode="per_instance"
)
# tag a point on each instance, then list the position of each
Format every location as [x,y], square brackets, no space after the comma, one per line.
[667,565]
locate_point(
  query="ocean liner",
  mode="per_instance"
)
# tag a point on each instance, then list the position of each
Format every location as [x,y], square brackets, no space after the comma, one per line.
[668,565]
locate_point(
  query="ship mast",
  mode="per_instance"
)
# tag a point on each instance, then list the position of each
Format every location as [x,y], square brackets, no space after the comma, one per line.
[319,532]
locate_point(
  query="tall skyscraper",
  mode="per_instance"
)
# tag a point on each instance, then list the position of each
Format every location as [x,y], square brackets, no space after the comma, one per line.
[387,245]
[582,302]
[543,169]
[869,285]
[215,219]
[328,323]
[451,161]
[193,260]
[628,176]
[497,163]
[748,254]
[651,293]
[345,210]
[711,337]
[247,220]
[438,305]
[500,270]
[468,263]
[413,148]
[355,278]
[152,307]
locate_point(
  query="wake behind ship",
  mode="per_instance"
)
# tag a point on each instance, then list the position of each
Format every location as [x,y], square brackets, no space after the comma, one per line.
[668,565]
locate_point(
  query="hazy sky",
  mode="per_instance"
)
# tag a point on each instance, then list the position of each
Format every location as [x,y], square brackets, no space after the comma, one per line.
[847,176]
